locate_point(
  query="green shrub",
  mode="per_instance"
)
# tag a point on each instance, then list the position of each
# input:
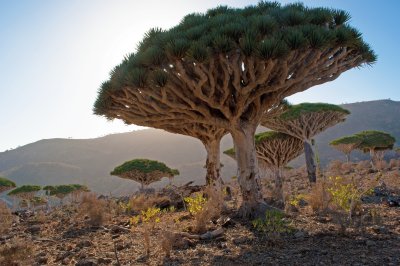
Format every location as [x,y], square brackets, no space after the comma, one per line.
[274,222]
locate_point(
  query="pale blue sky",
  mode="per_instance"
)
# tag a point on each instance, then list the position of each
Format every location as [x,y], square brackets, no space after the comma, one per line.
[55,54]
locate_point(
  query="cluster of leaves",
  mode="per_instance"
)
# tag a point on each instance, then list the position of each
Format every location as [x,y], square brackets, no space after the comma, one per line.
[295,200]
[149,216]
[343,193]
[273,222]
[269,135]
[267,31]
[4,182]
[24,189]
[295,111]
[346,140]
[144,166]
[373,139]
[64,189]
[195,204]
[368,140]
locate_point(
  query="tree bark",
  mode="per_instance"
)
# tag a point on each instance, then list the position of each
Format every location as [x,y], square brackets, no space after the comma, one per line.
[213,163]
[310,164]
[253,204]
[348,157]
[277,172]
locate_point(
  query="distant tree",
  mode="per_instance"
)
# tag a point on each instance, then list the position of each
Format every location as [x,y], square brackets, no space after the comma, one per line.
[376,143]
[26,192]
[346,144]
[62,191]
[6,184]
[274,151]
[304,121]
[144,171]
[227,67]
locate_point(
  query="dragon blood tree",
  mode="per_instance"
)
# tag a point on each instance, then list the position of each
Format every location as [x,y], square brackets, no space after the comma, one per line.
[211,137]
[376,143]
[62,191]
[274,151]
[144,171]
[227,67]
[346,144]
[6,184]
[26,192]
[304,121]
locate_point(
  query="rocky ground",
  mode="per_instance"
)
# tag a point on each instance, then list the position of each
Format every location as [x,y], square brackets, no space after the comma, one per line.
[64,236]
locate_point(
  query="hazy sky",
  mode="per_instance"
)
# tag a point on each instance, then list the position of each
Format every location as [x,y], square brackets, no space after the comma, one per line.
[55,54]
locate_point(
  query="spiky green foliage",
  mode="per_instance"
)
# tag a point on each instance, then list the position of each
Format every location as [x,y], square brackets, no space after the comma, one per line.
[144,166]
[24,189]
[375,140]
[4,182]
[266,30]
[346,140]
[260,138]
[295,111]
[269,135]
[64,189]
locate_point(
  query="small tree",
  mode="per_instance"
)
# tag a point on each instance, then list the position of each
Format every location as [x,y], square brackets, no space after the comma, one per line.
[304,121]
[227,67]
[346,144]
[144,171]
[376,143]
[274,151]
[26,192]
[63,191]
[6,184]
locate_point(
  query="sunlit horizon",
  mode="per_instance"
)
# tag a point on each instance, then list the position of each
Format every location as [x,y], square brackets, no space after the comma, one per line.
[55,54]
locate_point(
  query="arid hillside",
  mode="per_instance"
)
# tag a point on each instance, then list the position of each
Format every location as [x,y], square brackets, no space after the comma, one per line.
[89,161]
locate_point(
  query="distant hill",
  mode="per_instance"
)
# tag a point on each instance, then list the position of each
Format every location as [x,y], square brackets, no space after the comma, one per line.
[89,161]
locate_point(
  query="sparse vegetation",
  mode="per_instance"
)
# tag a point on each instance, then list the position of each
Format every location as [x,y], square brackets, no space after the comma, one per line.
[94,209]
[6,184]
[144,171]
[6,218]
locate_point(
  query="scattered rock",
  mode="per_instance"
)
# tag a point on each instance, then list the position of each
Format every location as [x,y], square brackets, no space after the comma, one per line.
[300,234]
[85,243]
[370,243]
[33,229]
[104,260]
[42,260]
[240,240]
[87,262]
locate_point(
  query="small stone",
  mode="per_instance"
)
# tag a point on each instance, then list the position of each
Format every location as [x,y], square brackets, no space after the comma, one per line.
[41,260]
[300,234]
[370,243]
[240,240]
[104,260]
[87,262]
[34,229]
[85,243]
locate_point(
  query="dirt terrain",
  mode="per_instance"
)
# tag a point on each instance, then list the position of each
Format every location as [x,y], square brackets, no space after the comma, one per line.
[69,235]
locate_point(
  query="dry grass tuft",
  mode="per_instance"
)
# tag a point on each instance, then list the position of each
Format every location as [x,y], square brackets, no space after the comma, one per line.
[142,202]
[319,198]
[167,242]
[211,210]
[6,218]
[94,208]
[15,253]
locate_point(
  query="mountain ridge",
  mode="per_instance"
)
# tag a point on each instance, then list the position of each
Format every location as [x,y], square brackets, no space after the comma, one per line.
[89,161]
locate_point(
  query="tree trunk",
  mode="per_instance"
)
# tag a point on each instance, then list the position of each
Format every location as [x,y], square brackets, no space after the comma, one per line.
[311,168]
[278,184]
[348,157]
[213,163]
[253,204]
